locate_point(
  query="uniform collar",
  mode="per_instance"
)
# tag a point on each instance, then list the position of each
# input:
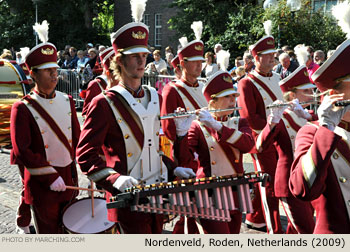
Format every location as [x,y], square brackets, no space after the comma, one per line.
[45,96]
[269,74]
[139,93]
[190,84]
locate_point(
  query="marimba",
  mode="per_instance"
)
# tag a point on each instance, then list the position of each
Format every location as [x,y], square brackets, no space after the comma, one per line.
[207,198]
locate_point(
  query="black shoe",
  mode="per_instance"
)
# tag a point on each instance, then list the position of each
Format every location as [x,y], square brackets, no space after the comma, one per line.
[261,229]
[32,229]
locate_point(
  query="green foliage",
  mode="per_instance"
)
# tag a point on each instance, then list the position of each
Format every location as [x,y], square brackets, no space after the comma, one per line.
[238,24]
[69,22]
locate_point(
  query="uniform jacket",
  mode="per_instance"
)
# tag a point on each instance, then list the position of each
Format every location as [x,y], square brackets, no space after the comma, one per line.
[94,88]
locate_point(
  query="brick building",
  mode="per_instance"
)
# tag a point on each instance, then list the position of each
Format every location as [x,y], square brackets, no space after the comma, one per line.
[156,17]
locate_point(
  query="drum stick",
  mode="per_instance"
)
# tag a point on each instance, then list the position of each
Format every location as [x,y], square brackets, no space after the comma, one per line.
[92,199]
[84,189]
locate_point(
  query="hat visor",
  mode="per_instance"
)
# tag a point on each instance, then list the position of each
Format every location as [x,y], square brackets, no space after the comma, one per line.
[195,58]
[228,92]
[269,51]
[306,86]
[48,65]
[136,50]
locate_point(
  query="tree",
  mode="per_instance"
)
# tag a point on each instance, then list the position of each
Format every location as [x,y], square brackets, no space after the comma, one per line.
[238,24]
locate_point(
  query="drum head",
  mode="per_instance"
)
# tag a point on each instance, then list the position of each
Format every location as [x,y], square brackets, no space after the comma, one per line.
[77,217]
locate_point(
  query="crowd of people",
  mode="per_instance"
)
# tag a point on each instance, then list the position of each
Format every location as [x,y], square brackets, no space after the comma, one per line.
[305,154]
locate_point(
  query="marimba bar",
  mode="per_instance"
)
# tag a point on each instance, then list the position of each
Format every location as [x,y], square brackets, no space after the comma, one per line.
[207,198]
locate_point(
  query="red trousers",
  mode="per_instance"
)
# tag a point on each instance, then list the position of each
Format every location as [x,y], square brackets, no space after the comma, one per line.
[24,215]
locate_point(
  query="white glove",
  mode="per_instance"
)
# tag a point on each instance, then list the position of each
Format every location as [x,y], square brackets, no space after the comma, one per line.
[205,117]
[276,112]
[124,182]
[298,109]
[184,172]
[327,116]
[183,124]
[58,185]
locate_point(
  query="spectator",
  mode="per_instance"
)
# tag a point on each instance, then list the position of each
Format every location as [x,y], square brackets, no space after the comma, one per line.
[150,55]
[158,61]
[73,58]
[286,48]
[169,49]
[286,66]
[293,57]
[240,73]
[60,58]
[169,57]
[101,48]
[311,66]
[217,48]
[162,81]
[19,58]
[311,51]
[81,61]
[330,53]
[209,67]
[238,62]
[66,60]
[248,62]
[6,54]
[319,57]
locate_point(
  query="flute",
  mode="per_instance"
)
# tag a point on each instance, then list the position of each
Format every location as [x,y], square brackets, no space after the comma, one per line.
[342,103]
[289,104]
[188,113]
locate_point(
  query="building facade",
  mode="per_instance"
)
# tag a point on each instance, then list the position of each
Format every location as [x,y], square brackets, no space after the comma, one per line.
[156,17]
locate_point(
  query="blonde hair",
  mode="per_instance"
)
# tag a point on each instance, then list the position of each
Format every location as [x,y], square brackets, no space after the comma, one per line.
[115,67]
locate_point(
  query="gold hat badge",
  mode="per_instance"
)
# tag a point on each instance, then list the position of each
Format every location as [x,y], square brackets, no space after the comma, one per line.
[198,47]
[139,35]
[47,51]
[227,78]
[270,42]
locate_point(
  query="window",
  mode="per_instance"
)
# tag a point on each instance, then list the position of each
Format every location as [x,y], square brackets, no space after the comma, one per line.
[145,19]
[324,5]
[158,30]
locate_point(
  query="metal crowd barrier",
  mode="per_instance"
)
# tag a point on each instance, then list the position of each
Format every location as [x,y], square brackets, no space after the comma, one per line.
[69,82]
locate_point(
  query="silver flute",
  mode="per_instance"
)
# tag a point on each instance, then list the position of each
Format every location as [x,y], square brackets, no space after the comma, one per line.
[188,113]
[342,103]
[289,104]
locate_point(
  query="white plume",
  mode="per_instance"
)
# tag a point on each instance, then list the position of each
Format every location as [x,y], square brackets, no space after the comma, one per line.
[268,27]
[302,54]
[197,27]
[42,30]
[223,58]
[183,41]
[137,9]
[24,52]
[341,12]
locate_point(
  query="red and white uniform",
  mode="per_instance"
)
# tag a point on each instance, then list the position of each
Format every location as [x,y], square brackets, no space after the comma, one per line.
[94,88]
[219,155]
[40,148]
[299,213]
[320,174]
[126,126]
[180,94]
[256,92]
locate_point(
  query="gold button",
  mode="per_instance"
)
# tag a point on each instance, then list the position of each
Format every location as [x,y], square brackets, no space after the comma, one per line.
[206,135]
[287,126]
[235,122]
[126,136]
[46,146]
[292,137]
[70,113]
[69,128]
[129,154]
[265,98]
[157,133]
[42,132]
[138,100]
[51,101]
[342,179]
[120,120]
[236,161]
[213,162]
[212,148]
[70,141]
[335,155]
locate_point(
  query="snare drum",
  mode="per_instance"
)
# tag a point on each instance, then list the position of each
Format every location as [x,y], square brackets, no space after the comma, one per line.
[77,217]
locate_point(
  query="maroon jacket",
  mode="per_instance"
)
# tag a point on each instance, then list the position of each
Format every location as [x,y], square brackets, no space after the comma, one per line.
[92,90]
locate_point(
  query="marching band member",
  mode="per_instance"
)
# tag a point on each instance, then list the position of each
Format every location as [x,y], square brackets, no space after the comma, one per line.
[257,90]
[124,121]
[320,172]
[102,81]
[282,126]
[186,92]
[218,140]
[44,133]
